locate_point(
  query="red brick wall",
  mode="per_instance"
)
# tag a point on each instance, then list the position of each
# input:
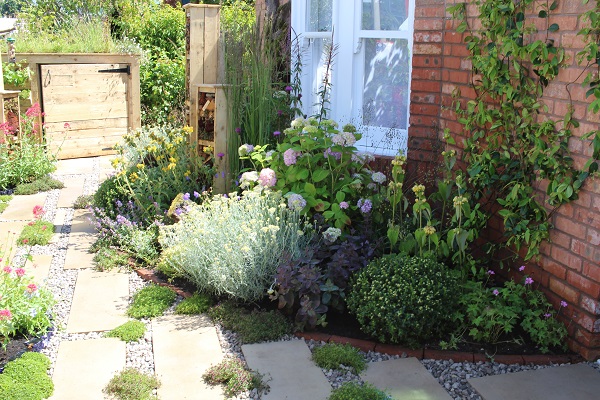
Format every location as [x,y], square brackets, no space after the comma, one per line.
[569,268]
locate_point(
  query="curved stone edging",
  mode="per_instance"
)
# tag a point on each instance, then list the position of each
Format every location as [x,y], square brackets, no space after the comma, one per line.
[391,349]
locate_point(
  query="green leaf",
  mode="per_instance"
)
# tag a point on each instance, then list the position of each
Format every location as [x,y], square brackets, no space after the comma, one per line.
[320,175]
[310,189]
[553,28]
[340,196]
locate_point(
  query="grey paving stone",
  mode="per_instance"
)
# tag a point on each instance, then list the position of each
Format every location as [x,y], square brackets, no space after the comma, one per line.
[21,207]
[184,348]
[84,367]
[99,301]
[578,381]
[288,369]
[404,379]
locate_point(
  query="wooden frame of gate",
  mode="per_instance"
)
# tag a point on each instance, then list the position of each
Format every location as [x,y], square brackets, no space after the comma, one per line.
[35,60]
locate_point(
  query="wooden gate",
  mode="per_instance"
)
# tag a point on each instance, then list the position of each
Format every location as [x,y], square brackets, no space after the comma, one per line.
[89,101]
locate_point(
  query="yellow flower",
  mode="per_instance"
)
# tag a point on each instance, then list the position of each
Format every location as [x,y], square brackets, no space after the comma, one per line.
[187,173]
[188,129]
[429,230]
[133,177]
[173,159]
[140,166]
[171,166]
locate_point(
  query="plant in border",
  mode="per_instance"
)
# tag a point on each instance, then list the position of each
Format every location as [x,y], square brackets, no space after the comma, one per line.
[231,245]
[400,298]
[4,200]
[43,184]
[199,303]
[319,170]
[234,375]
[151,301]
[337,356]
[131,384]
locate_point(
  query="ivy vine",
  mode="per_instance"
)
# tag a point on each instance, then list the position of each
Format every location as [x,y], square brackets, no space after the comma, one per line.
[512,145]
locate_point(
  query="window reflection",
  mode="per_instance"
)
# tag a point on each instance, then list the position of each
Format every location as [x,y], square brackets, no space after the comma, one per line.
[319,18]
[385,15]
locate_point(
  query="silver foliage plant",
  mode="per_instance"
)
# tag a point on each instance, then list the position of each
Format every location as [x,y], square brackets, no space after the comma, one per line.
[233,245]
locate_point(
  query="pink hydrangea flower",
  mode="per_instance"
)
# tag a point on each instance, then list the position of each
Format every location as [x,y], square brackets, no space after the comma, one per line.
[290,157]
[344,205]
[267,178]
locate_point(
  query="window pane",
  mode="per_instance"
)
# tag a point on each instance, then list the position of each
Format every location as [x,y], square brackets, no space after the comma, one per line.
[385,93]
[319,15]
[318,70]
[384,15]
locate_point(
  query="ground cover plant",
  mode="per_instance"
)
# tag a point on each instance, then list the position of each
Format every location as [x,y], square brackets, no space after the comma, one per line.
[4,200]
[198,303]
[130,384]
[83,202]
[235,377]
[251,326]
[42,184]
[151,301]
[107,258]
[338,356]
[231,245]
[26,378]
[130,331]
[355,391]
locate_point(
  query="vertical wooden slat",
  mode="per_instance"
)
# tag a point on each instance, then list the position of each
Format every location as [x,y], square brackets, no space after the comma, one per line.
[211,40]
[223,180]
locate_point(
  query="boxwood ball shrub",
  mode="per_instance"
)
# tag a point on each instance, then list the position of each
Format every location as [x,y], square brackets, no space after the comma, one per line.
[400,298]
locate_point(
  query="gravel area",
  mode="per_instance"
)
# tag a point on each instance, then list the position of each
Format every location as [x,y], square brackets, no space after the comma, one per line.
[452,376]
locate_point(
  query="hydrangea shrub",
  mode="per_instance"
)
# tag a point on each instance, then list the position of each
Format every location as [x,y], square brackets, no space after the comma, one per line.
[318,168]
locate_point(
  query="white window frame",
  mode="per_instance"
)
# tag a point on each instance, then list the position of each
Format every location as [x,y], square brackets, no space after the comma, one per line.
[348,67]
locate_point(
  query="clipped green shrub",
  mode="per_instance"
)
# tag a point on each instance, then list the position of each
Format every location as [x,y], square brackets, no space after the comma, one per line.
[197,304]
[130,331]
[335,355]
[108,195]
[130,384]
[151,301]
[42,184]
[399,298]
[26,379]
[252,326]
[355,391]
[233,245]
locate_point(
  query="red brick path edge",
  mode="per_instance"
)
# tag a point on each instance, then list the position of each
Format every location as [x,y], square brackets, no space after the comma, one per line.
[391,349]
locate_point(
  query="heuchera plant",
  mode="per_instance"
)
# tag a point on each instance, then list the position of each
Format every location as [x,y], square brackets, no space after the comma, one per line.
[319,170]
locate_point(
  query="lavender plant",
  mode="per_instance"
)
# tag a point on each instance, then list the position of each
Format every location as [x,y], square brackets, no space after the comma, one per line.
[232,245]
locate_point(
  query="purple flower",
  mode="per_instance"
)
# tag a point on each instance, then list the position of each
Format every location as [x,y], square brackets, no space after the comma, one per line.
[495,292]
[196,194]
[490,272]
[119,204]
[335,154]
[288,89]
[344,205]
[296,202]
[522,268]
[290,157]
[276,133]
[220,155]
[238,130]
[279,112]
[528,281]
[365,205]
[186,196]
[547,315]
[563,303]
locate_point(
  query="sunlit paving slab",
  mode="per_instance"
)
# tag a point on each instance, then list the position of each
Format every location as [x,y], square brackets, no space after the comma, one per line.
[9,232]
[106,169]
[21,207]
[288,369]
[578,381]
[405,379]
[81,238]
[75,166]
[84,367]
[39,267]
[184,348]
[99,301]
[72,190]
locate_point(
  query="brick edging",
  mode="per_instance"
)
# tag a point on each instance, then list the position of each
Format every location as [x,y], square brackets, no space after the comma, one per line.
[458,356]
[391,349]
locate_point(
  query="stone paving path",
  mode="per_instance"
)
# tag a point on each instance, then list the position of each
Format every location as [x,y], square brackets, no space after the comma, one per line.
[184,347]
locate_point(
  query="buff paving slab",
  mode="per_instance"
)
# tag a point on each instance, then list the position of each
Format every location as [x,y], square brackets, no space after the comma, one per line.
[81,238]
[184,348]
[288,370]
[21,207]
[75,166]
[404,379]
[99,301]
[105,167]
[72,190]
[9,232]
[39,267]
[577,381]
[84,367]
